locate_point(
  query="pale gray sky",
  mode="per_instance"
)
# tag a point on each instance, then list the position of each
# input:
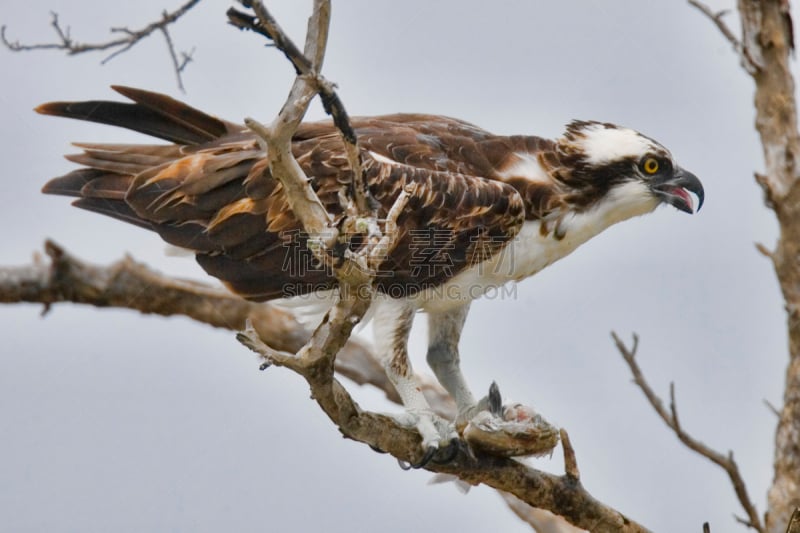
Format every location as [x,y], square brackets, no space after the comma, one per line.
[111,421]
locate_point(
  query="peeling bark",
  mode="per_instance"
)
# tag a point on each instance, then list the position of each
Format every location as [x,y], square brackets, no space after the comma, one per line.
[767,36]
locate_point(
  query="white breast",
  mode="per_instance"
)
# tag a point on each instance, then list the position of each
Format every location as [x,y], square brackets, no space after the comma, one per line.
[528,253]
[531,251]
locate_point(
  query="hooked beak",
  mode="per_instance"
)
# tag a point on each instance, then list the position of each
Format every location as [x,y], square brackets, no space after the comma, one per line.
[675,189]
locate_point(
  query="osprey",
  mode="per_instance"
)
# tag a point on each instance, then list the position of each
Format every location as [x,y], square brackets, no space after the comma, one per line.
[486,210]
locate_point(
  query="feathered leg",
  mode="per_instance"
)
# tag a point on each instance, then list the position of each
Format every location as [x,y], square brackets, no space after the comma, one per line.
[392,325]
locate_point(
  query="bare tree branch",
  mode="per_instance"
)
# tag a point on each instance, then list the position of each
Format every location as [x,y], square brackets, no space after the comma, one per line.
[127,284]
[177,64]
[562,495]
[277,137]
[748,62]
[129,39]
[670,418]
[131,285]
[267,26]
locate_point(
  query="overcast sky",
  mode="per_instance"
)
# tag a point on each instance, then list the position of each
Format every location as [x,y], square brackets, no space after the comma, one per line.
[111,421]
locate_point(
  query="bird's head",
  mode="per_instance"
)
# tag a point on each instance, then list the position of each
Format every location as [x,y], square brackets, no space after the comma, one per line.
[606,161]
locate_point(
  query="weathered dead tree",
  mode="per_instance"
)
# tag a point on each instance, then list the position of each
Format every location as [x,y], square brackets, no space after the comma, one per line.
[766,46]
[765,49]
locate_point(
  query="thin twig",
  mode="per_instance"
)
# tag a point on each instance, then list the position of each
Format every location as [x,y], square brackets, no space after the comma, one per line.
[774,410]
[748,61]
[177,65]
[265,24]
[670,417]
[717,19]
[120,45]
[249,337]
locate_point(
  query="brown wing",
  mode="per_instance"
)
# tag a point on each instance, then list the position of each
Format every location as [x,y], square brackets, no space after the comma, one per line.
[432,142]
[446,144]
[212,192]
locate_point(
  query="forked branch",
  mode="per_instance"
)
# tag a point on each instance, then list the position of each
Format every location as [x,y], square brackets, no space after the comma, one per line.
[127,40]
[670,417]
[308,69]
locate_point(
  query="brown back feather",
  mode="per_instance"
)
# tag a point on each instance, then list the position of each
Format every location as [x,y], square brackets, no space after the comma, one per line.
[212,192]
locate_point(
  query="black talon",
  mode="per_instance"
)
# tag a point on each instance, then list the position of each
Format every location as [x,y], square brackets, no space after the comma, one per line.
[451,450]
[439,456]
[376,449]
[495,400]
[404,465]
[429,454]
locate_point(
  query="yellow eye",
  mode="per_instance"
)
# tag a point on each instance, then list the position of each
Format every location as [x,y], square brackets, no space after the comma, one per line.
[650,165]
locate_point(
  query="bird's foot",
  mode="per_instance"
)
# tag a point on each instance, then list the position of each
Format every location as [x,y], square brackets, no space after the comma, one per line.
[506,430]
[440,442]
[491,403]
[438,455]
